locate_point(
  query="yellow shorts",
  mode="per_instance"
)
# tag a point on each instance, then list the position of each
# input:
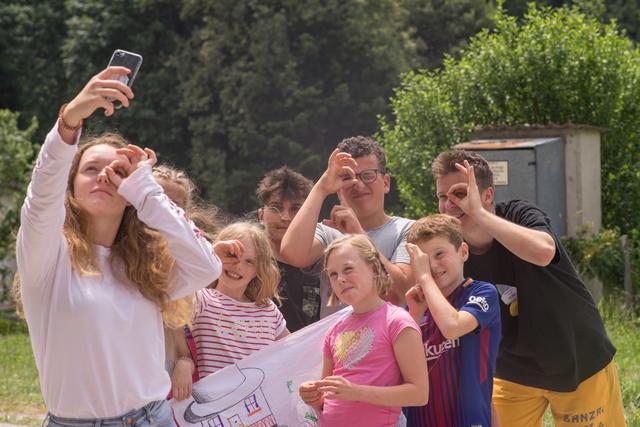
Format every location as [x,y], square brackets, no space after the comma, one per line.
[597,402]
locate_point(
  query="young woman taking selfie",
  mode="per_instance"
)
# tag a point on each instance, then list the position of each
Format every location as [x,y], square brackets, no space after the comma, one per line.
[102,256]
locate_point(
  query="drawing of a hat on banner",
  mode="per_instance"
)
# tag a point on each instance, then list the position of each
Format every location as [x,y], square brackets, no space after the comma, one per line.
[231,387]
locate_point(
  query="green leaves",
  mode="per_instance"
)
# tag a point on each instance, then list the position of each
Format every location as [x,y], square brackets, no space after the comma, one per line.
[16,158]
[282,82]
[600,256]
[556,66]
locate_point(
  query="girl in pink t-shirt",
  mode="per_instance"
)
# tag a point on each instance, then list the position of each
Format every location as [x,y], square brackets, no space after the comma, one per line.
[374,361]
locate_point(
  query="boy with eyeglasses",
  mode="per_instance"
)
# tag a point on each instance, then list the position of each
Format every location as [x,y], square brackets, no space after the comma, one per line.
[281,194]
[357,173]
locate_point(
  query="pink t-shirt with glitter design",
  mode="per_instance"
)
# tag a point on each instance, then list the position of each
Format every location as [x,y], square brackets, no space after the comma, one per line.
[361,347]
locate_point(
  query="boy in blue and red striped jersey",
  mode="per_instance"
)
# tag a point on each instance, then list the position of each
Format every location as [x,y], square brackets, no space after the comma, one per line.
[460,322]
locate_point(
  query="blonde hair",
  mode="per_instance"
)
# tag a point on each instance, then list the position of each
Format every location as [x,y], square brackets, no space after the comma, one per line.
[203,215]
[264,286]
[143,252]
[168,174]
[369,254]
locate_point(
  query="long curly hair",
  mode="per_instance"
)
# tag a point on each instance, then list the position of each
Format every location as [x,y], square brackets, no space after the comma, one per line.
[142,252]
[264,286]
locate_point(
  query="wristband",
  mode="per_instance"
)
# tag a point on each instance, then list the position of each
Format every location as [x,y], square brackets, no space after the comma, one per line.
[64,124]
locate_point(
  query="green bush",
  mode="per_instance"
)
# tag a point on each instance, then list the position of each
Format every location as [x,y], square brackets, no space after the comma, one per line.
[16,157]
[600,256]
[556,66]
[12,327]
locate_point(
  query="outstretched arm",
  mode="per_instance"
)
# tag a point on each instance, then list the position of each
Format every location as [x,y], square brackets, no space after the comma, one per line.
[299,246]
[43,212]
[534,246]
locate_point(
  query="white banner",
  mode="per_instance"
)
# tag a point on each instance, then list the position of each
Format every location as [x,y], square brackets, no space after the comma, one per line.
[261,390]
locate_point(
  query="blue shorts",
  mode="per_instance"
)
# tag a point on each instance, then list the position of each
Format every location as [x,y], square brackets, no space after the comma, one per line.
[154,414]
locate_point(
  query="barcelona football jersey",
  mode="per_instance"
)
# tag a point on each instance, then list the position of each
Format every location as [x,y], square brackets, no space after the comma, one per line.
[461,369]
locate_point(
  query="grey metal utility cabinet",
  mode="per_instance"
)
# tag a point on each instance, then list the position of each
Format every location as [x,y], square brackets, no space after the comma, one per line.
[555,167]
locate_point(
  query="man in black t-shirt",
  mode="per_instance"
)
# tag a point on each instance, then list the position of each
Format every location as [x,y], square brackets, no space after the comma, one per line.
[281,194]
[554,349]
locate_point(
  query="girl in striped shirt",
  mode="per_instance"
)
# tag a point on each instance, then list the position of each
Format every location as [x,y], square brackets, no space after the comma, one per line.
[236,315]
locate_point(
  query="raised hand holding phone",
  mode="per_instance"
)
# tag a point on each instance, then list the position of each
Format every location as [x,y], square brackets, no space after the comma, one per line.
[93,95]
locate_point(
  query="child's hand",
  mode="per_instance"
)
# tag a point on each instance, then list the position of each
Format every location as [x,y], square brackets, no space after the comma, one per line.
[229,251]
[181,381]
[309,392]
[416,302]
[340,172]
[419,262]
[337,387]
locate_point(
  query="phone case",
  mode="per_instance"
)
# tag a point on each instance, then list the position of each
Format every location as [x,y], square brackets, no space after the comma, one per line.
[130,60]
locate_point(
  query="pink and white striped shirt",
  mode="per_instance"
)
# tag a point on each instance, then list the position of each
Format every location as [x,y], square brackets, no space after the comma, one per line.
[226,330]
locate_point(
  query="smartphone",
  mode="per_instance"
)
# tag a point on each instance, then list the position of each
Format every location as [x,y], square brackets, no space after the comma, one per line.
[130,60]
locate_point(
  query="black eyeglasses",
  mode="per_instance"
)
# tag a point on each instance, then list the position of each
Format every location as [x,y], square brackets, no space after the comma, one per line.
[280,211]
[367,176]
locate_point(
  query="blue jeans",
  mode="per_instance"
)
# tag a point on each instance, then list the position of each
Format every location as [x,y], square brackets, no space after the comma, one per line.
[154,414]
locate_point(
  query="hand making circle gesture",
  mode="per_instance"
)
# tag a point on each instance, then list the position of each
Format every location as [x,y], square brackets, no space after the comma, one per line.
[340,172]
[466,196]
[229,251]
[135,156]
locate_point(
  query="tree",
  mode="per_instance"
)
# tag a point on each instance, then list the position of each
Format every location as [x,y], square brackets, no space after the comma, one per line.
[31,71]
[150,28]
[16,158]
[268,83]
[557,66]
[229,89]
[444,27]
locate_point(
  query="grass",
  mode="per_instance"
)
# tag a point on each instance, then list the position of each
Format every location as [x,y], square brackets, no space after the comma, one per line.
[21,402]
[624,332]
[20,399]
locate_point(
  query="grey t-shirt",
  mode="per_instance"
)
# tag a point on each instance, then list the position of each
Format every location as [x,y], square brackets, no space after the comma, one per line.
[390,239]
